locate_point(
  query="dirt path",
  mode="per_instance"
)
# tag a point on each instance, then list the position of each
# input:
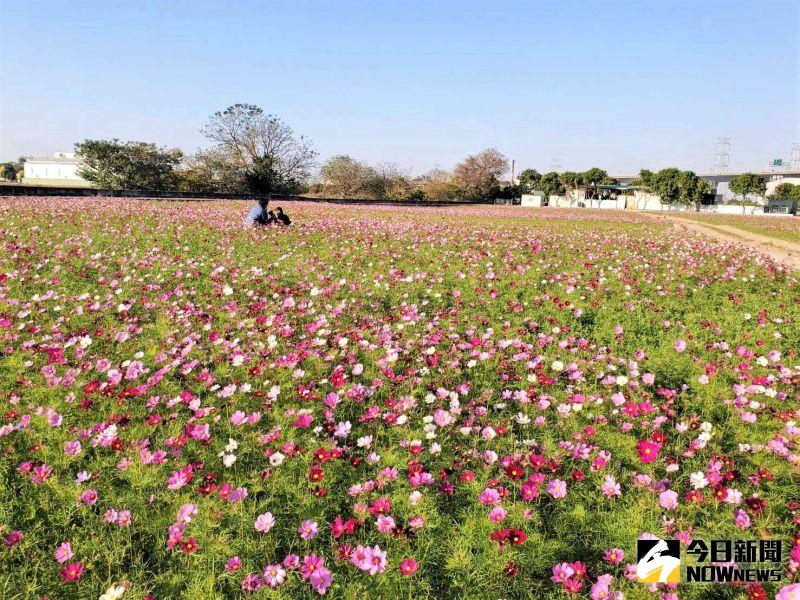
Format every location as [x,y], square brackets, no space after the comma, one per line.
[783,251]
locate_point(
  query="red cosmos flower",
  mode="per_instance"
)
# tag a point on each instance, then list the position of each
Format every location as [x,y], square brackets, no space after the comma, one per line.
[517,537]
[72,572]
[316,474]
[720,492]
[339,527]
[510,569]
[190,545]
[755,591]
[648,450]
[578,475]
[514,471]
[537,461]
[467,476]
[573,585]
[694,496]
[500,536]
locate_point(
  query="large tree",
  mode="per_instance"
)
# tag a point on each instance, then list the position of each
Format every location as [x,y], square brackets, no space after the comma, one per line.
[245,134]
[478,174]
[551,185]
[529,180]
[438,184]
[674,186]
[571,181]
[264,177]
[747,184]
[128,165]
[666,185]
[345,177]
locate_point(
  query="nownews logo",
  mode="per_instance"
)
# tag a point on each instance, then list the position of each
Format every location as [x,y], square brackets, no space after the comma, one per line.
[659,561]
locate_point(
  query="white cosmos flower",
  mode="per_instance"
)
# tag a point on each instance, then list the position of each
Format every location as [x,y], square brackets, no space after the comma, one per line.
[698,480]
[115,592]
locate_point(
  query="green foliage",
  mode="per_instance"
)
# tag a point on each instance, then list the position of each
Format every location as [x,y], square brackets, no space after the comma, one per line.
[529,180]
[748,184]
[551,184]
[128,165]
[675,186]
[263,177]
[11,171]
[786,191]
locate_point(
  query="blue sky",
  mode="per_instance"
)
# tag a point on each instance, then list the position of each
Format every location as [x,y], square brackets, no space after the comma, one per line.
[620,85]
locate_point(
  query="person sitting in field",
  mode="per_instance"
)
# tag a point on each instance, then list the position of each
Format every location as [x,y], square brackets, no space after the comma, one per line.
[283,219]
[271,218]
[258,213]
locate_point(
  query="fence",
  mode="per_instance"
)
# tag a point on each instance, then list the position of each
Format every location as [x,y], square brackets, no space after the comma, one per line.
[41,190]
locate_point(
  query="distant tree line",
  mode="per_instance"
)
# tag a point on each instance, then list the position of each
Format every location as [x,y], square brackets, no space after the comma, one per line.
[255,152]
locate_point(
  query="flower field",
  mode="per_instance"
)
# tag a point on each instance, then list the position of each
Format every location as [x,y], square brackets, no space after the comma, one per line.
[384,402]
[778,227]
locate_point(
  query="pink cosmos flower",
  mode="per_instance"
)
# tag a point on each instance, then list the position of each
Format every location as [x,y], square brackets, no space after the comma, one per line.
[186,513]
[64,552]
[557,488]
[234,564]
[741,519]
[610,487]
[89,498]
[179,478]
[668,499]
[562,572]
[72,572]
[408,567]
[374,560]
[489,497]
[614,556]
[72,448]
[648,450]
[385,523]
[13,538]
[40,473]
[274,575]
[497,514]
[789,592]
[308,529]
[679,345]
[265,522]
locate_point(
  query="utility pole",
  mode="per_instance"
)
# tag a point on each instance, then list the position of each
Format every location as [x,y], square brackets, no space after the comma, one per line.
[722,156]
[513,164]
[794,165]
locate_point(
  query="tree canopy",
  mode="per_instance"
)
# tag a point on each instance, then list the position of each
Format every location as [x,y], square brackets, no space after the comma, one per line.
[128,165]
[478,174]
[748,184]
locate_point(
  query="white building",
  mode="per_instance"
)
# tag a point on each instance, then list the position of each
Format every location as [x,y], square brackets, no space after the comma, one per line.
[60,169]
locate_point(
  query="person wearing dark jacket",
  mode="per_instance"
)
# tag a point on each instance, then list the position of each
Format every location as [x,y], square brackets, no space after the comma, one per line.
[281,216]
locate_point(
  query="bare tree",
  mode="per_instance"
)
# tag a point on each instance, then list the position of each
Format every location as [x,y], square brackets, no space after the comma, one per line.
[478,173]
[245,133]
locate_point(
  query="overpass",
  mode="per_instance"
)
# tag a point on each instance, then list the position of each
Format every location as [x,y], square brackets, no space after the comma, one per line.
[716,178]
